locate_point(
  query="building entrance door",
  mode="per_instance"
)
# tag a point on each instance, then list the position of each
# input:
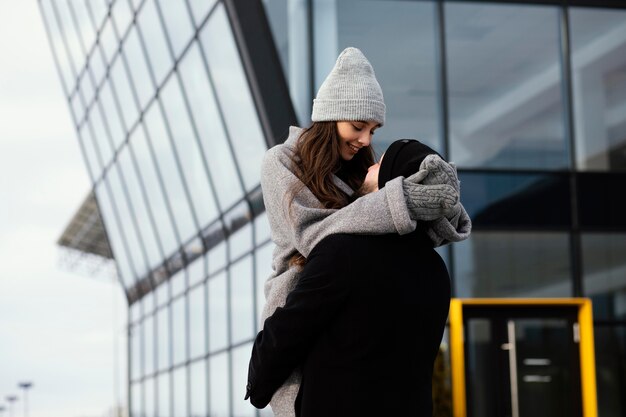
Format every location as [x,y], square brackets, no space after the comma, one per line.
[520,360]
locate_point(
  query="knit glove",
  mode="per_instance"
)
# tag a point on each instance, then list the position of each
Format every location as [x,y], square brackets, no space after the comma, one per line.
[440,172]
[428,202]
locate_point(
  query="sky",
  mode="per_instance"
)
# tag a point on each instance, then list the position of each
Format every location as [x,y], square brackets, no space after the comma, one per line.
[59,328]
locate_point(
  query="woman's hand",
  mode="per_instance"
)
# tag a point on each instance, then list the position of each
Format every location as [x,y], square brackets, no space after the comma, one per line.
[371,180]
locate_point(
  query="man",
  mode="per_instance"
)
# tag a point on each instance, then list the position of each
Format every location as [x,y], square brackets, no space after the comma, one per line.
[365,319]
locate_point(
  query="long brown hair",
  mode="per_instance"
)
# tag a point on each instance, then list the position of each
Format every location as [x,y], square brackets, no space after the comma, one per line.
[316,157]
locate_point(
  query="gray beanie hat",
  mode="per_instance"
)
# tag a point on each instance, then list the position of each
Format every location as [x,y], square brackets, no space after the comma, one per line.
[350,92]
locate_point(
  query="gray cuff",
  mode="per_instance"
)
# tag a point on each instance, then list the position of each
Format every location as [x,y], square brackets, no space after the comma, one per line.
[398,207]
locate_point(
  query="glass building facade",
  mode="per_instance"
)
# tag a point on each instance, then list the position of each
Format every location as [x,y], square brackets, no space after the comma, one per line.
[175,101]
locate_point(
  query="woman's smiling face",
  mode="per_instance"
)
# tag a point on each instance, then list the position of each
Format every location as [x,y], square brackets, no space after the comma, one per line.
[354,135]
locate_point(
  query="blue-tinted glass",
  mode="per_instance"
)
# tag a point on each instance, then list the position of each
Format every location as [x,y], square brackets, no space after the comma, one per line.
[197,270]
[218,313]
[234,96]
[152,32]
[148,235]
[85,26]
[136,408]
[108,42]
[150,397]
[598,44]
[91,156]
[219,386]
[179,333]
[101,134]
[56,39]
[513,264]
[401,48]
[138,67]
[200,8]
[127,221]
[136,355]
[189,153]
[170,173]
[241,359]
[197,325]
[114,236]
[149,359]
[610,355]
[604,264]
[163,338]
[198,388]
[178,23]
[122,16]
[505,98]
[217,258]
[516,199]
[119,78]
[156,199]
[164,395]
[71,36]
[242,300]
[180,392]
[210,128]
[263,266]
[112,116]
[178,282]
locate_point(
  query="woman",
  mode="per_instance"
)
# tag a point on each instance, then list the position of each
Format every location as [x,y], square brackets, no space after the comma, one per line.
[309,182]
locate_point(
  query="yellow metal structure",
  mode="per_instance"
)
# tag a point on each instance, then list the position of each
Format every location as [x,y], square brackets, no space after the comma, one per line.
[586,346]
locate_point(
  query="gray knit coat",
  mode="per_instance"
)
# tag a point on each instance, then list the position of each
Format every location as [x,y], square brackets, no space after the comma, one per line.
[304,223]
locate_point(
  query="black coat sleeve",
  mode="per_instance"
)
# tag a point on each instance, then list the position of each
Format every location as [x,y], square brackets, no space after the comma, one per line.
[287,335]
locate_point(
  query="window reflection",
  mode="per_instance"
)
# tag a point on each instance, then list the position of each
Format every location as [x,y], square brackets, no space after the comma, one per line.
[505,96]
[598,42]
[234,96]
[218,313]
[513,264]
[208,122]
[154,40]
[242,300]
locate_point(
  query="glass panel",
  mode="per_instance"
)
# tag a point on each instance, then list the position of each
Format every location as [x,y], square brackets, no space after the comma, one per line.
[517,199]
[234,96]
[150,399]
[610,349]
[148,303]
[505,96]
[127,221]
[164,395]
[156,45]
[240,242]
[136,356]
[261,228]
[122,16]
[210,128]
[598,42]
[78,111]
[189,154]
[97,65]
[197,325]
[91,157]
[198,389]
[171,175]
[178,282]
[136,400]
[115,237]
[263,270]
[604,264]
[290,29]
[101,134]
[178,24]
[513,264]
[163,293]
[241,359]
[179,333]
[401,48]
[67,74]
[135,312]
[217,258]
[151,182]
[600,207]
[163,336]
[218,313]
[242,300]
[111,115]
[99,10]
[86,88]
[180,392]
[149,345]
[119,78]
[71,36]
[85,27]
[138,66]
[197,270]
[108,41]
[143,215]
[200,8]
[219,383]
